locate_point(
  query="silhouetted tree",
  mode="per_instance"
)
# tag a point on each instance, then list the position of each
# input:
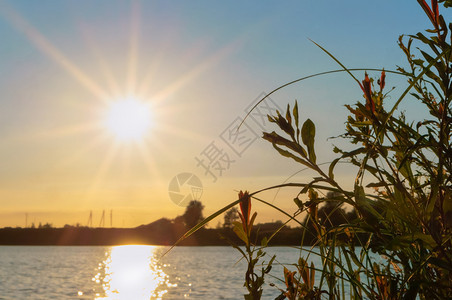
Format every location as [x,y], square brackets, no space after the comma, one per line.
[46,225]
[179,220]
[219,225]
[230,216]
[331,213]
[193,213]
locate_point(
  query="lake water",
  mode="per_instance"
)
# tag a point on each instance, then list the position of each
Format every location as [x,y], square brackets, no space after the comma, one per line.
[130,272]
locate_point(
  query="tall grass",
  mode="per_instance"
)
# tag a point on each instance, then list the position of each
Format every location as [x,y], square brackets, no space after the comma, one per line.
[407,218]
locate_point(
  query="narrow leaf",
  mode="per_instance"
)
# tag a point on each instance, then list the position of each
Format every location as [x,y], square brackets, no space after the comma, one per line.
[295,113]
[307,136]
[312,279]
[238,230]
[288,116]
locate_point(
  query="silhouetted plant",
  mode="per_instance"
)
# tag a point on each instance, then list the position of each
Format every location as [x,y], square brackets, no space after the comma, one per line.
[406,219]
[252,254]
[302,286]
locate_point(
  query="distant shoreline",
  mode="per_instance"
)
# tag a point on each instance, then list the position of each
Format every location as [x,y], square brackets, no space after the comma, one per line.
[159,233]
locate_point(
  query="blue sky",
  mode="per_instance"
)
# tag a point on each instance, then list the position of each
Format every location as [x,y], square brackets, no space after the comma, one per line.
[199,64]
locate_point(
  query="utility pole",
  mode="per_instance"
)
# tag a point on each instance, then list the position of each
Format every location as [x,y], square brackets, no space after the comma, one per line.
[90,219]
[111,217]
[102,219]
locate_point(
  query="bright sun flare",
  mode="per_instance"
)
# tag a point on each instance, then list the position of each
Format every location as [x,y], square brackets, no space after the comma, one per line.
[128,119]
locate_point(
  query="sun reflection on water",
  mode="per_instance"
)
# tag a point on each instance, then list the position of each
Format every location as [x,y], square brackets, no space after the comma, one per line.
[132,272]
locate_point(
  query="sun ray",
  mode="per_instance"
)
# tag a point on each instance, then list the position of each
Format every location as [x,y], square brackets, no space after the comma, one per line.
[126,160]
[148,159]
[102,170]
[35,134]
[43,45]
[112,83]
[65,131]
[153,69]
[156,66]
[184,134]
[82,151]
[133,47]
[188,77]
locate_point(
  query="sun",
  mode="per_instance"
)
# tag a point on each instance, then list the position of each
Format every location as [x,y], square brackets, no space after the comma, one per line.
[128,119]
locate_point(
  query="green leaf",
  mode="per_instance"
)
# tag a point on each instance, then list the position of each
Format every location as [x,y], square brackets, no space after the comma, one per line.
[312,278]
[249,297]
[337,61]
[408,239]
[308,132]
[288,116]
[275,138]
[370,215]
[307,136]
[331,168]
[295,113]
[298,202]
[312,194]
[253,217]
[284,123]
[377,184]
[271,119]
[269,265]
[310,184]
[447,203]
[290,155]
[238,230]
[440,263]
